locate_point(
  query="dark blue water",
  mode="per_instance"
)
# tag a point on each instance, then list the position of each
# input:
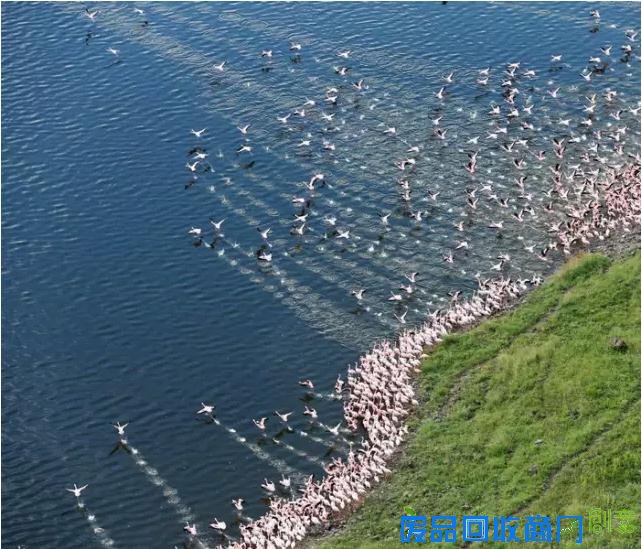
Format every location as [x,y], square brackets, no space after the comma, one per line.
[110,313]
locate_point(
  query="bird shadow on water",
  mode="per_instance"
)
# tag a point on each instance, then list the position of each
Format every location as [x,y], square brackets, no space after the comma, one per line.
[120,445]
[206,420]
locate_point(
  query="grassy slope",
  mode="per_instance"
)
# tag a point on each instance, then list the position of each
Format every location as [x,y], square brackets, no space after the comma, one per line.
[544,372]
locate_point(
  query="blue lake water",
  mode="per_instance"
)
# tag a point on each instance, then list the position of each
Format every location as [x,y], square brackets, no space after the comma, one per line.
[112,313]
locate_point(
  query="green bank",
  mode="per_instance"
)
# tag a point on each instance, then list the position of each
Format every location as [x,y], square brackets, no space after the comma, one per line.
[533,412]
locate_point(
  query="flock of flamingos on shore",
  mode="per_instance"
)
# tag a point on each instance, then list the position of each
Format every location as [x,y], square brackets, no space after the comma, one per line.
[591,190]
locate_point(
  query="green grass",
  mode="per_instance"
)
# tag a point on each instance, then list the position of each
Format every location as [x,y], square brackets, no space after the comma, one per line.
[533,412]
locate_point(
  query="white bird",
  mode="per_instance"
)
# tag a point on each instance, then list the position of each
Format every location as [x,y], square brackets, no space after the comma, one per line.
[556,58]
[264,256]
[221,66]
[316,177]
[284,417]
[334,430]
[91,15]
[266,53]
[284,119]
[139,11]
[198,133]
[120,428]
[260,423]
[217,224]
[195,231]
[268,486]
[113,51]
[264,234]
[206,409]
[411,277]
[295,46]
[310,412]
[395,297]
[190,528]
[307,383]
[244,148]
[218,525]
[358,293]
[76,491]
[408,289]
[243,129]
[238,504]
[285,481]
[345,54]
[344,234]
[402,318]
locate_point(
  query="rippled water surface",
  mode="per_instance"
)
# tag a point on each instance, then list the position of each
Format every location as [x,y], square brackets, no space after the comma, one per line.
[112,312]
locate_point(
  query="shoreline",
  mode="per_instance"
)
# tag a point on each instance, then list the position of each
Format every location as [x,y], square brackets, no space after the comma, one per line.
[437,415]
[611,249]
[383,413]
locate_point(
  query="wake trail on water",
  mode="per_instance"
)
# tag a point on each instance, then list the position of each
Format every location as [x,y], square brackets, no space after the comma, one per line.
[306,303]
[278,464]
[328,444]
[297,452]
[170,494]
[322,272]
[101,535]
